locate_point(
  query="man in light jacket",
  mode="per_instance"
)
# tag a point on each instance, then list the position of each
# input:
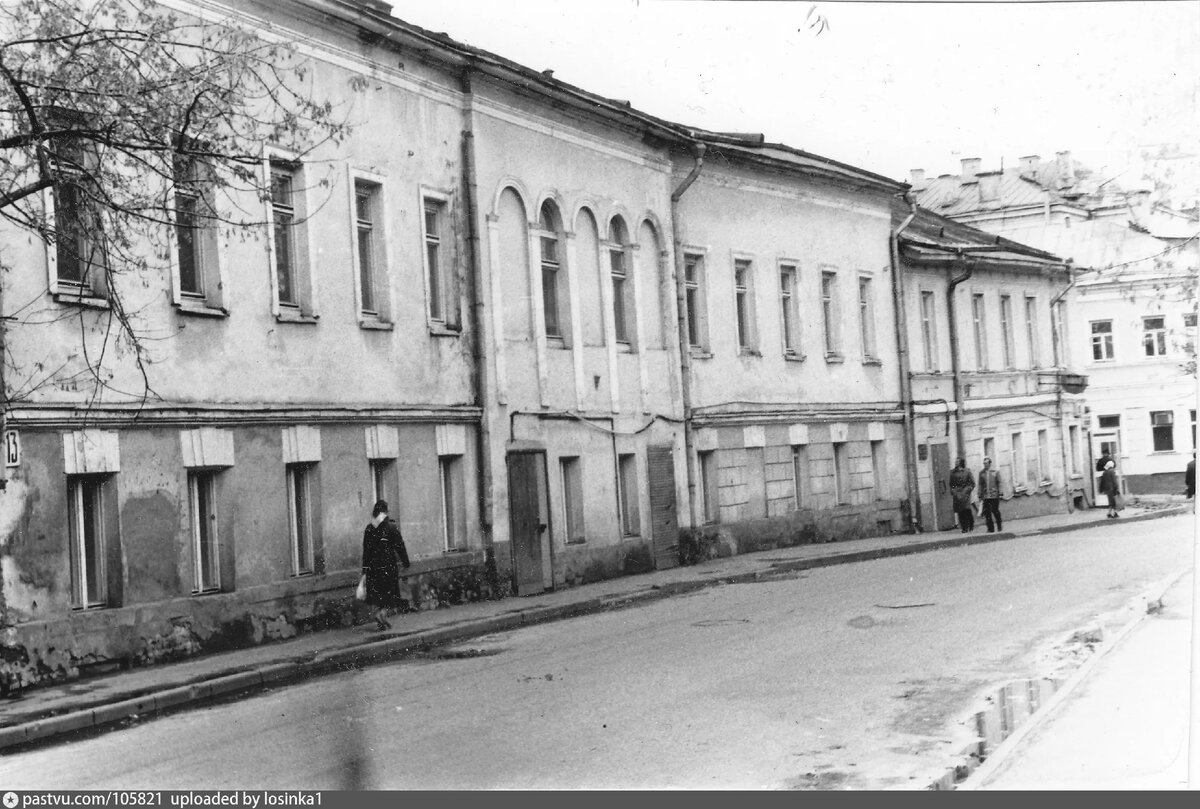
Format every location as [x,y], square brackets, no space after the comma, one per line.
[989,493]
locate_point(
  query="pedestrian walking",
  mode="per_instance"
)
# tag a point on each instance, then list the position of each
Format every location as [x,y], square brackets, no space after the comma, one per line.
[1109,486]
[382,556]
[962,483]
[1189,478]
[989,493]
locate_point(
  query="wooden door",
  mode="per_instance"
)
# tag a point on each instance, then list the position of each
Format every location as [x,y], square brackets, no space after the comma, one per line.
[525,522]
[943,501]
[660,464]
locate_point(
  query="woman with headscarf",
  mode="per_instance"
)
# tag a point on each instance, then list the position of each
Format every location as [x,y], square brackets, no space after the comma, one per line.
[383,554]
[1108,485]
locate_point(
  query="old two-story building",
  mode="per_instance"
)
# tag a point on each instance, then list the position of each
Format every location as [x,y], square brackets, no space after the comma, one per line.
[1133,306]
[789,366]
[988,368]
[301,368]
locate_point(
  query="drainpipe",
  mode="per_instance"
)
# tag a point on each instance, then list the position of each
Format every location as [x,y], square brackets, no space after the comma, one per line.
[1059,364]
[478,342]
[955,367]
[906,400]
[685,349]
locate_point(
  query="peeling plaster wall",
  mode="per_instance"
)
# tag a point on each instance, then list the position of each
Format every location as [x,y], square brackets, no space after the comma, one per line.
[152,613]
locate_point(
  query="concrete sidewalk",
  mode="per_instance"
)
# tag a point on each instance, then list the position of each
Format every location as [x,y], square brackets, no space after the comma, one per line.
[44,713]
[1122,725]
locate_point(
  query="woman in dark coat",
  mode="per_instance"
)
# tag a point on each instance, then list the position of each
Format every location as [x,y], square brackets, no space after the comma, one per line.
[962,483]
[1108,485]
[383,553]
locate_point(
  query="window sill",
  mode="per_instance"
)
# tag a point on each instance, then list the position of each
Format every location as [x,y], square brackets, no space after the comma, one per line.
[293,316]
[872,361]
[700,353]
[557,343]
[749,352]
[374,324]
[454,551]
[195,308]
[1076,476]
[1165,452]
[834,358]
[1020,489]
[794,357]
[625,347]
[442,330]
[630,536]
[574,542]
[87,300]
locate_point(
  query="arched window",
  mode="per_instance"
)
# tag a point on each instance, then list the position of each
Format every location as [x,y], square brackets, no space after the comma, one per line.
[555,298]
[621,287]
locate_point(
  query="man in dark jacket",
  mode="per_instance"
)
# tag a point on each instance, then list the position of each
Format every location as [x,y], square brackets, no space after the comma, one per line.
[989,493]
[1189,477]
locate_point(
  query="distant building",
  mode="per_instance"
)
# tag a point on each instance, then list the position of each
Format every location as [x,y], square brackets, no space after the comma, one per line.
[989,374]
[1133,309]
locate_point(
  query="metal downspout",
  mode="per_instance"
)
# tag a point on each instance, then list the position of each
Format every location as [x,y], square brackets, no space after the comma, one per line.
[906,400]
[955,365]
[685,350]
[1059,364]
[478,342]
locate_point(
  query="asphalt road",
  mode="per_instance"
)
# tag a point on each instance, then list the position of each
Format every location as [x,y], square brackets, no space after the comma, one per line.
[856,676]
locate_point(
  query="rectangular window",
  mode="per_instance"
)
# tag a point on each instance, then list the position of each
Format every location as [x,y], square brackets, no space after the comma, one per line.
[866,317]
[627,480]
[693,285]
[572,485]
[1162,426]
[1108,422]
[206,564]
[708,486]
[78,228]
[799,473]
[989,450]
[1031,332]
[743,291]
[929,330]
[454,523]
[788,317]
[384,482]
[1018,460]
[89,585]
[195,231]
[550,285]
[1102,340]
[878,469]
[620,276]
[829,314]
[1043,439]
[1154,336]
[299,484]
[438,237]
[980,322]
[841,473]
[369,246]
[286,234]
[1006,330]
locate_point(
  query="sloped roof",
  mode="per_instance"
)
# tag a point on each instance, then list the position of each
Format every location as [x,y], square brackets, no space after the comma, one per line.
[376,15]
[931,235]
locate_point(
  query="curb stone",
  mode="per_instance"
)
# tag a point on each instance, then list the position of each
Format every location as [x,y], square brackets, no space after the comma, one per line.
[178,695]
[979,764]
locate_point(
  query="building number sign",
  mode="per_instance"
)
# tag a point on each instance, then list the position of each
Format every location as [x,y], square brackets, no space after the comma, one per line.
[12,448]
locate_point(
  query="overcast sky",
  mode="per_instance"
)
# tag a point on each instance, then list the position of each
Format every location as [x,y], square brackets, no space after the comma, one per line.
[887,86]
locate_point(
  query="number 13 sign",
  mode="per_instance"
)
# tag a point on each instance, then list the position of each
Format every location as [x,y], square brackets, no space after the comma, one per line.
[12,448]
